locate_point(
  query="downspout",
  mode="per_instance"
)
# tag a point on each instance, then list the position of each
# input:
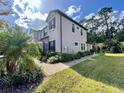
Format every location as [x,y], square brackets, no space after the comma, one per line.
[60,33]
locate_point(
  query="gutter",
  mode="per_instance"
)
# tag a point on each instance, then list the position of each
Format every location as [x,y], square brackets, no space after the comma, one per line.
[60,33]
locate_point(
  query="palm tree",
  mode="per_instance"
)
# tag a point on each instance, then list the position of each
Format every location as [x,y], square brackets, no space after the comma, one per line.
[19,52]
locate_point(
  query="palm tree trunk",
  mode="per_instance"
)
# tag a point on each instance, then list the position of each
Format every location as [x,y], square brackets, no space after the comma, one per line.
[10,65]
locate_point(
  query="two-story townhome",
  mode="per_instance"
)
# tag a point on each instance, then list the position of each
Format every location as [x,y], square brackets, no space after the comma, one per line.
[62,34]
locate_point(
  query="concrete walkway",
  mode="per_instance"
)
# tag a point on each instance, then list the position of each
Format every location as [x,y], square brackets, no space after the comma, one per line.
[50,69]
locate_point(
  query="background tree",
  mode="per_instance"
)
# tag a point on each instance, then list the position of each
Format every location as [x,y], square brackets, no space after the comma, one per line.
[105,27]
[102,26]
[105,16]
[120,35]
[92,24]
[109,22]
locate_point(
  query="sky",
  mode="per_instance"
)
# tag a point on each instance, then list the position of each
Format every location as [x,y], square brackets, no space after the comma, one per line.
[32,12]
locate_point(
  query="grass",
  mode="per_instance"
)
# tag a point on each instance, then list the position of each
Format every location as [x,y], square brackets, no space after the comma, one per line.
[101,74]
[119,54]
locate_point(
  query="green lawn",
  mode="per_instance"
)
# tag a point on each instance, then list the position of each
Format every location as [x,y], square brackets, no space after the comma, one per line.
[100,74]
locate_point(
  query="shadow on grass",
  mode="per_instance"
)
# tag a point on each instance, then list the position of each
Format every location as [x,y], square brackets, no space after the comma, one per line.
[108,70]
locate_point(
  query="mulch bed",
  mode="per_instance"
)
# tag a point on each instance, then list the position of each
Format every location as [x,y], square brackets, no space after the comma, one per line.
[19,89]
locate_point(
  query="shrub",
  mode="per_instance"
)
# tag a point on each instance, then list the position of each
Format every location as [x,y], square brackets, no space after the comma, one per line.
[113,46]
[47,56]
[21,78]
[50,54]
[77,55]
[64,57]
[92,51]
[115,49]
[44,58]
[86,53]
[54,59]
[81,53]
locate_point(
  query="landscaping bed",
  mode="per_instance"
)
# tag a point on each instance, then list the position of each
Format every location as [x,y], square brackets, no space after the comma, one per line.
[53,57]
[19,89]
[20,82]
[18,71]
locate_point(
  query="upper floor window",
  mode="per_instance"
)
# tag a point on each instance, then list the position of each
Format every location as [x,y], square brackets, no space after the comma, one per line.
[52,24]
[73,28]
[77,27]
[76,43]
[45,31]
[81,32]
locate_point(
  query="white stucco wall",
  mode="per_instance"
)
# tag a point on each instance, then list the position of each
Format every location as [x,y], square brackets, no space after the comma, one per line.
[69,38]
[54,34]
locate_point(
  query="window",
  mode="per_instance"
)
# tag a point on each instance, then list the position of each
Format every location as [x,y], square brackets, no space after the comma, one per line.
[52,24]
[45,31]
[76,43]
[77,27]
[45,47]
[73,28]
[81,32]
[82,46]
[52,46]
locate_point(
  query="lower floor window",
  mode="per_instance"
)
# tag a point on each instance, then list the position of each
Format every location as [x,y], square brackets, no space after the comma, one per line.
[52,46]
[49,46]
[82,46]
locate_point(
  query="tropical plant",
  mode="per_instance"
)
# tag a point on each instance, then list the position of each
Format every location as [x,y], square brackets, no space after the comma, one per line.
[17,49]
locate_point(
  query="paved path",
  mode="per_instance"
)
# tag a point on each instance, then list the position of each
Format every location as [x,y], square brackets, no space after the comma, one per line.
[50,69]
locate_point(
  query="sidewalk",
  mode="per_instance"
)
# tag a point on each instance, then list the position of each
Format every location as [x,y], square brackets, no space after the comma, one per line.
[50,69]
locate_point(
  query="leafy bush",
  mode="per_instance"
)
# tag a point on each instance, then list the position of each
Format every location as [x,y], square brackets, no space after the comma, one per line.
[86,53]
[64,57]
[113,46]
[20,78]
[50,54]
[77,55]
[44,58]
[81,54]
[54,59]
